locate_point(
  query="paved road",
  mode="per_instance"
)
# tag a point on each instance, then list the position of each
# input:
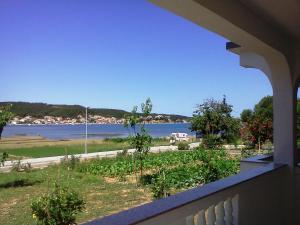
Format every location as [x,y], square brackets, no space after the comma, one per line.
[46,161]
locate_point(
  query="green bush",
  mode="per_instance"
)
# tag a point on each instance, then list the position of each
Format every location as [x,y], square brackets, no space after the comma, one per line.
[219,168]
[57,208]
[20,167]
[70,162]
[123,153]
[212,141]
[246,153]
[116,140]
[160,187]
[3,158]
[183,146]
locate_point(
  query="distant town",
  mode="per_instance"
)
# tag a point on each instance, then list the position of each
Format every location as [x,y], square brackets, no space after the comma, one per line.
[92,119]
[43,113]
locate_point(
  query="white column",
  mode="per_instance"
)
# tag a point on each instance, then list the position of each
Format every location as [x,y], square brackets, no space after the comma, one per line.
[276,68]
[284,122]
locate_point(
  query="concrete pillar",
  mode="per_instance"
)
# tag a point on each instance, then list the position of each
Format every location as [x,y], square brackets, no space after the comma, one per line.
[284,122]
[276,68]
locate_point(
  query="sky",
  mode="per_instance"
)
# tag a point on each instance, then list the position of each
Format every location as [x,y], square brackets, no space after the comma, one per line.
[115,54]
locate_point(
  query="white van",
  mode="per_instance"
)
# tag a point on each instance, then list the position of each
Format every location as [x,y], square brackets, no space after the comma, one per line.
[178,137]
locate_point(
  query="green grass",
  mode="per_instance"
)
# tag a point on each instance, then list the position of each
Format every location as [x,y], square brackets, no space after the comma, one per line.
[45,151]
[58,150]
[17,189]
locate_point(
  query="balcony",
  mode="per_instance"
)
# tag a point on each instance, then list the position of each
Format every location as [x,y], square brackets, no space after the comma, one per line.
[254,196]
[265,36]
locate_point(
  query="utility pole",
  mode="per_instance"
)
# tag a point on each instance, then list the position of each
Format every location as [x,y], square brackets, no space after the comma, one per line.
[85,146]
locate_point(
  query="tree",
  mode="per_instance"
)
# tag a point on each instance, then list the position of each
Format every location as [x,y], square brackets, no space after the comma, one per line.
[213,119]
[5,117]
[246,115]
[258,125]
[139,137]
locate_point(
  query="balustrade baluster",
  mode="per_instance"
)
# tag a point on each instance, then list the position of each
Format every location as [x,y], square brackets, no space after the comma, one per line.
[228,212]
[200,218]
[211,215]
[220,214]
[190,220]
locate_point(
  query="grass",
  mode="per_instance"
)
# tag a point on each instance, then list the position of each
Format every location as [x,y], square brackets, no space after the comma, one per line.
[17,189]
[62,148]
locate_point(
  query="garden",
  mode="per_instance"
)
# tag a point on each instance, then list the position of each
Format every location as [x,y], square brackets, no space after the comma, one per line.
[110,185]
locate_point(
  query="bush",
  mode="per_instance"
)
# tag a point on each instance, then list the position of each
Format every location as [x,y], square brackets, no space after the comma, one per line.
[123,153]
[246,153]
[212,141]
[57,208]
[70,162]
[116,140]
[160,187]
[183,146]
[19,167]
[4,157]
[219,168]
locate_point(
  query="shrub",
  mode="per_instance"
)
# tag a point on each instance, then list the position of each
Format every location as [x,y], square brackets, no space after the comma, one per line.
[212,141]
[4,157]
[19,167]
[246,153]
[116,140]
[183,146]
[57,208]
[160,187]
[70,162]
[219,168]
[123,153]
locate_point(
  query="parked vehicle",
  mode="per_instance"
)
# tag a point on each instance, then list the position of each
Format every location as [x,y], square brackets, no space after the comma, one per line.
[178,137]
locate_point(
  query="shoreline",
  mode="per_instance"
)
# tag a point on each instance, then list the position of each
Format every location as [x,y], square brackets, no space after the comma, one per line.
[95,131]
[72,124]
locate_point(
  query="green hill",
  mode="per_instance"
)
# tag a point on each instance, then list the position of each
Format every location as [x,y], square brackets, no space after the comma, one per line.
[40,110]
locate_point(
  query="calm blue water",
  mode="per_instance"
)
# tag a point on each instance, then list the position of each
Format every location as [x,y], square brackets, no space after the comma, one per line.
[95,131]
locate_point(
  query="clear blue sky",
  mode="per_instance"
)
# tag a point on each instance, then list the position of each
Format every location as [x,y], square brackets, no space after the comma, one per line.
[115,54]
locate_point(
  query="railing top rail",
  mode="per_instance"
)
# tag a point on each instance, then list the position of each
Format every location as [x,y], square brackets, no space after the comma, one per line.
[265,158]
[150,210]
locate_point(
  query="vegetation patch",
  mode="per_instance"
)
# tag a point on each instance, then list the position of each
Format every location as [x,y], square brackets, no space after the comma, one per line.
[181,169]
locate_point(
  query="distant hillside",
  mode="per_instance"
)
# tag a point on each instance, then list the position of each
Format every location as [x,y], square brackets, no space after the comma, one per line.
[40,110]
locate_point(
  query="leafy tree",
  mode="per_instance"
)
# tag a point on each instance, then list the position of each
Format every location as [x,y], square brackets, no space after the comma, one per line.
[258,124]
[5,117]
[139,137]
[213,119]
[246,115]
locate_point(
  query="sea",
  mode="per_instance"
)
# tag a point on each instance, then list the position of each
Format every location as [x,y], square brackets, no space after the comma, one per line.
[94,131]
